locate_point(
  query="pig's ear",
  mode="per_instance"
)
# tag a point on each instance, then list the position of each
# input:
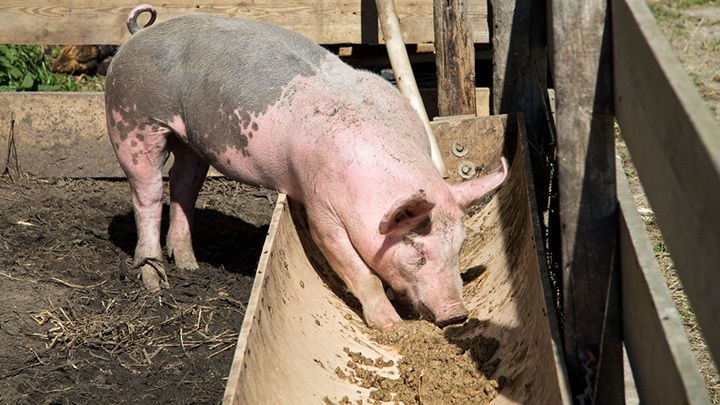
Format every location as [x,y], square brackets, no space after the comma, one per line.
[469,193]
[406,213]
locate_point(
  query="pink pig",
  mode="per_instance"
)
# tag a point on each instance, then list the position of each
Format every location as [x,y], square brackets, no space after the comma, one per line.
[268,107]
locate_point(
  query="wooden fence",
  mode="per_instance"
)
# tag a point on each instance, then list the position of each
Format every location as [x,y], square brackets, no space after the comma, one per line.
[632,75]
[675,146]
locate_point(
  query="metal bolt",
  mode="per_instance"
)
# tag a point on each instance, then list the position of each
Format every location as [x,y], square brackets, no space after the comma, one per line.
[466,169]
[460,148]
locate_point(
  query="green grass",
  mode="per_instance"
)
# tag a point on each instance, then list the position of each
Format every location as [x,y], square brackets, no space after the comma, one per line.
[712,45]
[25,68]
[687,315]
[660,249]
[690,3]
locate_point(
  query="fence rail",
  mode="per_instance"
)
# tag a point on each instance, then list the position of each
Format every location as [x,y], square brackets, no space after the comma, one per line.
[88,22]
[675,146]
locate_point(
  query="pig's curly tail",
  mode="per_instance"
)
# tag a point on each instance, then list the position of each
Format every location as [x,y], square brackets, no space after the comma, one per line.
[132,17]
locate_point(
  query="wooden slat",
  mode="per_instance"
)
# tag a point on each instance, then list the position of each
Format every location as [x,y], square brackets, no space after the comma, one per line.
[61,134]
[548,296]
[88,22]
[582,74]
[675,146]
[454,59]
[662,363]
[520,64]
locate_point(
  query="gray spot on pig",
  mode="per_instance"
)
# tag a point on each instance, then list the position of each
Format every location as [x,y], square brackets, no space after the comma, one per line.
[204,69]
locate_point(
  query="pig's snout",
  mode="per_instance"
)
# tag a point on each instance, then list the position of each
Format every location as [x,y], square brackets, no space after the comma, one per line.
[447,315]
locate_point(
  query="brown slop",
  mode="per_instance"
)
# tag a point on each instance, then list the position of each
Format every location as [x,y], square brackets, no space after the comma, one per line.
[437,367]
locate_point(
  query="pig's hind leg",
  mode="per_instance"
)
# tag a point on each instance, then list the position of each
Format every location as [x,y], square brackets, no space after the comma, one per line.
[186,178]
[142,151]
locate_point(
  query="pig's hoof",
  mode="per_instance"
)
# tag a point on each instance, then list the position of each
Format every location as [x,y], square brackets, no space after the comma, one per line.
[382,322]
[152,273]
[186,264]
[183,261]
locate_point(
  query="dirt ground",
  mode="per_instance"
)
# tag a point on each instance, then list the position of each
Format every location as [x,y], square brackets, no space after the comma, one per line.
[76,326]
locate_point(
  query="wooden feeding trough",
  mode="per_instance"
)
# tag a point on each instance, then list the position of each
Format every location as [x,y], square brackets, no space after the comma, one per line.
[297,332]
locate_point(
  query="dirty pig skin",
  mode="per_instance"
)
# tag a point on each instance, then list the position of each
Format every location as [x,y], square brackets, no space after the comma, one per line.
[266,106]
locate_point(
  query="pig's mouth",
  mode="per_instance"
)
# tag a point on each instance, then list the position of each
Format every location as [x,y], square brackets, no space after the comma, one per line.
[457,314]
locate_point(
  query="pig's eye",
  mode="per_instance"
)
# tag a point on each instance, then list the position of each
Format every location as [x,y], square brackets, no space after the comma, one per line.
[421,262]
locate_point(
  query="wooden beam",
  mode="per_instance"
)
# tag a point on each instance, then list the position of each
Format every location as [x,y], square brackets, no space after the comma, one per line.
[519,84]
[520,64]
[61,134]
[57,135]
[581,56]
[64,134]
[87,22]
[454,58]
[662,362]
[675,146]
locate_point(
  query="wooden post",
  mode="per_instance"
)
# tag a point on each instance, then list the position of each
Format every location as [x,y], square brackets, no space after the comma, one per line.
[520,70]
[582,73]
[454,58]
[520,64]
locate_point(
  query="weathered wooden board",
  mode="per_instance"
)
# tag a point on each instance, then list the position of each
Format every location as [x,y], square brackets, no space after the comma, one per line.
[88,22]
[662,362]
[675,146]
[454,58]
[582,73]
[295,327]
[59,134]
[65,135]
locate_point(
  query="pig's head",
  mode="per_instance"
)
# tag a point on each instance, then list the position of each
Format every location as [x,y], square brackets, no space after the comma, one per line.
[423,235]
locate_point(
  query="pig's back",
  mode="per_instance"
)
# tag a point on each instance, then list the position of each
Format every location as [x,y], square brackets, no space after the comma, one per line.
[262,103]
[216,74]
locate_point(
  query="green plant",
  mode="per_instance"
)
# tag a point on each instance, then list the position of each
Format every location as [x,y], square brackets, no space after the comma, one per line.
[689,3]
[24,68]
[660,249]
[711,45]
[697,80]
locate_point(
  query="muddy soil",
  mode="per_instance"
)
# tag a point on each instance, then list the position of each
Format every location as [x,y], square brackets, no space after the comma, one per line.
[76,327]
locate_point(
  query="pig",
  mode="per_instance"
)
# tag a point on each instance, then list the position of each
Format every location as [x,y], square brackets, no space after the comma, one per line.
[268,107]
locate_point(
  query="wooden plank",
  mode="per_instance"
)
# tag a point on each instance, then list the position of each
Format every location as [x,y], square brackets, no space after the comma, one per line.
[87,22]
[65,134]
[520,64]
[662,363]
[454,58]
[482,101]
[582,74]
[61,134]
[547,287]
[675,146]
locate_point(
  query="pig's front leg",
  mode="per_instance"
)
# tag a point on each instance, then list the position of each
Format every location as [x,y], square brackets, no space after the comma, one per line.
[333,241]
